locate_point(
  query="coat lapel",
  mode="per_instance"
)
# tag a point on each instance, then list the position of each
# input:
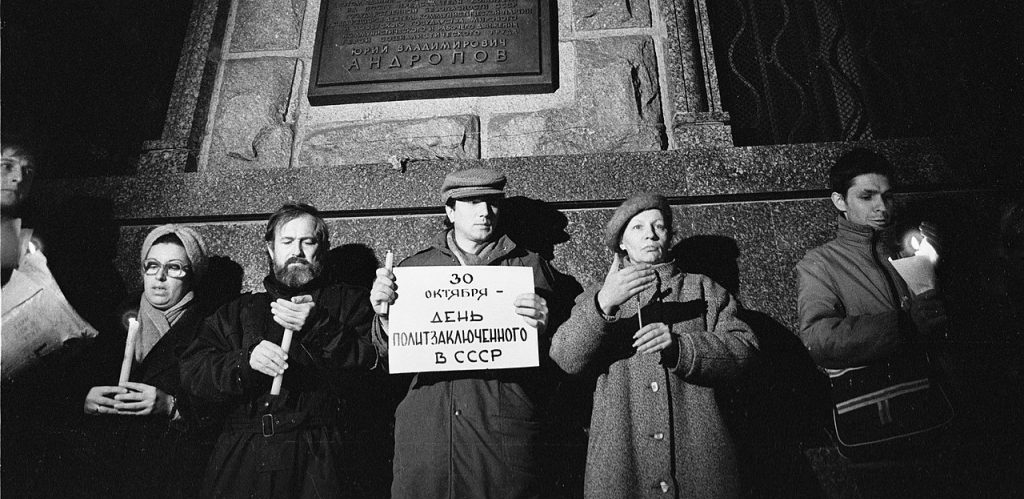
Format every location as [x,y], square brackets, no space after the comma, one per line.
[164,355]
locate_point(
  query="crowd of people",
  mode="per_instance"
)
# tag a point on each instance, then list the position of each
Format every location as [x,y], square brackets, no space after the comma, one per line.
[252,398]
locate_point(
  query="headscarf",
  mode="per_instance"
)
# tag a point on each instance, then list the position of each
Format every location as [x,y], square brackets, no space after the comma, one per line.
[154,323]
[195,248]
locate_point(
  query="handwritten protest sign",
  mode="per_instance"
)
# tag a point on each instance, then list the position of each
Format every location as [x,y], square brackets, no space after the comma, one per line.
[460,318]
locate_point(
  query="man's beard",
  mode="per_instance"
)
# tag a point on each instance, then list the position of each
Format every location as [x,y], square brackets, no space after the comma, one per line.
[294,276]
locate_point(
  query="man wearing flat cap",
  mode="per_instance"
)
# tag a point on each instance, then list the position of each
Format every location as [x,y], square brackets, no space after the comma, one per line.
[472,433]
[661,342]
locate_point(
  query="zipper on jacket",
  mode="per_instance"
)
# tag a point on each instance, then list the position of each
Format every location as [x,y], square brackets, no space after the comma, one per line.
[897,299]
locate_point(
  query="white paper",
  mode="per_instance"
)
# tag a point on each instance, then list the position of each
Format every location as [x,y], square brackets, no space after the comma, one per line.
[919,270]
[37,319]
[460,318]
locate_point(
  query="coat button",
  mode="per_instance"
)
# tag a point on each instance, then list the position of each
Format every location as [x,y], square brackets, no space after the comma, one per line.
[658,436]
[458,412]
[664,487]
[654,386]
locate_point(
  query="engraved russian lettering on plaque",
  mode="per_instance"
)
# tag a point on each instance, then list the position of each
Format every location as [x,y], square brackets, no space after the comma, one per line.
[381,50]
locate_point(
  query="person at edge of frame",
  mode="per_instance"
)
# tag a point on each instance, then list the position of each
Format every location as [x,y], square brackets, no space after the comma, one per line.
[856,310]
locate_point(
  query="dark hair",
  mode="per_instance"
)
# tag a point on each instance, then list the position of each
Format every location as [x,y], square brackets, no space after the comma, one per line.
[20,147]
[290,211]
[168,239]
[447,224]
[497,200]
[855,162]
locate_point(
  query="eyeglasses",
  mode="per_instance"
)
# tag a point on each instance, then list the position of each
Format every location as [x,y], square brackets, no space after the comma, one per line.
[175,270]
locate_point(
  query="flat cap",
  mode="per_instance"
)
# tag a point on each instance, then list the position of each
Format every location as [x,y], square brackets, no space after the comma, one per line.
[629,208]
[473,182]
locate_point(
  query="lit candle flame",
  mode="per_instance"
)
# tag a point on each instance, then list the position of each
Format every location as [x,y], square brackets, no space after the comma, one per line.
[127,318]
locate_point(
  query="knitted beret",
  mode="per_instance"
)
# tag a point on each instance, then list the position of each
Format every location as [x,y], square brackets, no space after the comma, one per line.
[193,243]
[629,208]
[473,182]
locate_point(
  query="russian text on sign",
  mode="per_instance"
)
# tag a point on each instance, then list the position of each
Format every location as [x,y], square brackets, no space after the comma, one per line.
[460,318]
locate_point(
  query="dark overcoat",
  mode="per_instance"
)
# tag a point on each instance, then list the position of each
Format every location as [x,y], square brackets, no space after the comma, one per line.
[167,456]
[136,456]
[290,445]
[475,434]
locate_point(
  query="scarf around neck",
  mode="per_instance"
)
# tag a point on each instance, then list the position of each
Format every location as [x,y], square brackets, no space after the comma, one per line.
[483,257]
[154,323]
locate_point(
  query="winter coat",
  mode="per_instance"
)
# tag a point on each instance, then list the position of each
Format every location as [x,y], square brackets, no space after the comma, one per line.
[168,456]
[656,428]
[136,456]
[289,445]
[849,299]
[474,434]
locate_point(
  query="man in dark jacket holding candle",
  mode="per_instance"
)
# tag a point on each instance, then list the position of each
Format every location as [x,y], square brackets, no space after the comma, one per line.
[287,445]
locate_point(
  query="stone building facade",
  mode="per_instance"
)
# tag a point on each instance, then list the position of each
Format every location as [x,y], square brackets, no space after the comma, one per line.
[638,108]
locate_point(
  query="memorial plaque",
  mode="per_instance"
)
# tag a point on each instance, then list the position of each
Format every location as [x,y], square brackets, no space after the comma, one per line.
[380,50]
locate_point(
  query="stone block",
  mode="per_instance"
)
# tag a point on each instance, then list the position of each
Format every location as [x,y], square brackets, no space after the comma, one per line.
[250,129]
[602,14]
[447,137]
[262,25]
[573,181]
[735,244]
[609,176]
[617,107]
[798,167]
[163,156]
[584,256]
[702,135]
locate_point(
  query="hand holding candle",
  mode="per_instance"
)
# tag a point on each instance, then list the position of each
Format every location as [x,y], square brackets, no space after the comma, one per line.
[389,262]
[292,315]
[918,270]
[286,344]
[129,351]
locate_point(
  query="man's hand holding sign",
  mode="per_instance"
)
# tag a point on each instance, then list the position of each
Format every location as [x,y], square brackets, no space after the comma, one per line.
[460,318]
[468,305]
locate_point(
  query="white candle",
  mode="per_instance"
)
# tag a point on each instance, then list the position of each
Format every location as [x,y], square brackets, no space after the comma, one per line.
[389,262]
[286,343]
[129,351]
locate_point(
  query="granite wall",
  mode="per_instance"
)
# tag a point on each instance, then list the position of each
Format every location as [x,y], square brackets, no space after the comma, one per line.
[746,214]
[631,79]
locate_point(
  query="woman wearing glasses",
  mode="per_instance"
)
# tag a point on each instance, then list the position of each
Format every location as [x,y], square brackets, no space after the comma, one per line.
[148,434]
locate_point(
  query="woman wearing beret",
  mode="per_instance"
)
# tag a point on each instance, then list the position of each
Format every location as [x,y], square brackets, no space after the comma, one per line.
[142,438]
[659,341]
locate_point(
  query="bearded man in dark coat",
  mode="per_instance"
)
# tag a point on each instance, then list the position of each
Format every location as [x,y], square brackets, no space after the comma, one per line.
[290,444]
